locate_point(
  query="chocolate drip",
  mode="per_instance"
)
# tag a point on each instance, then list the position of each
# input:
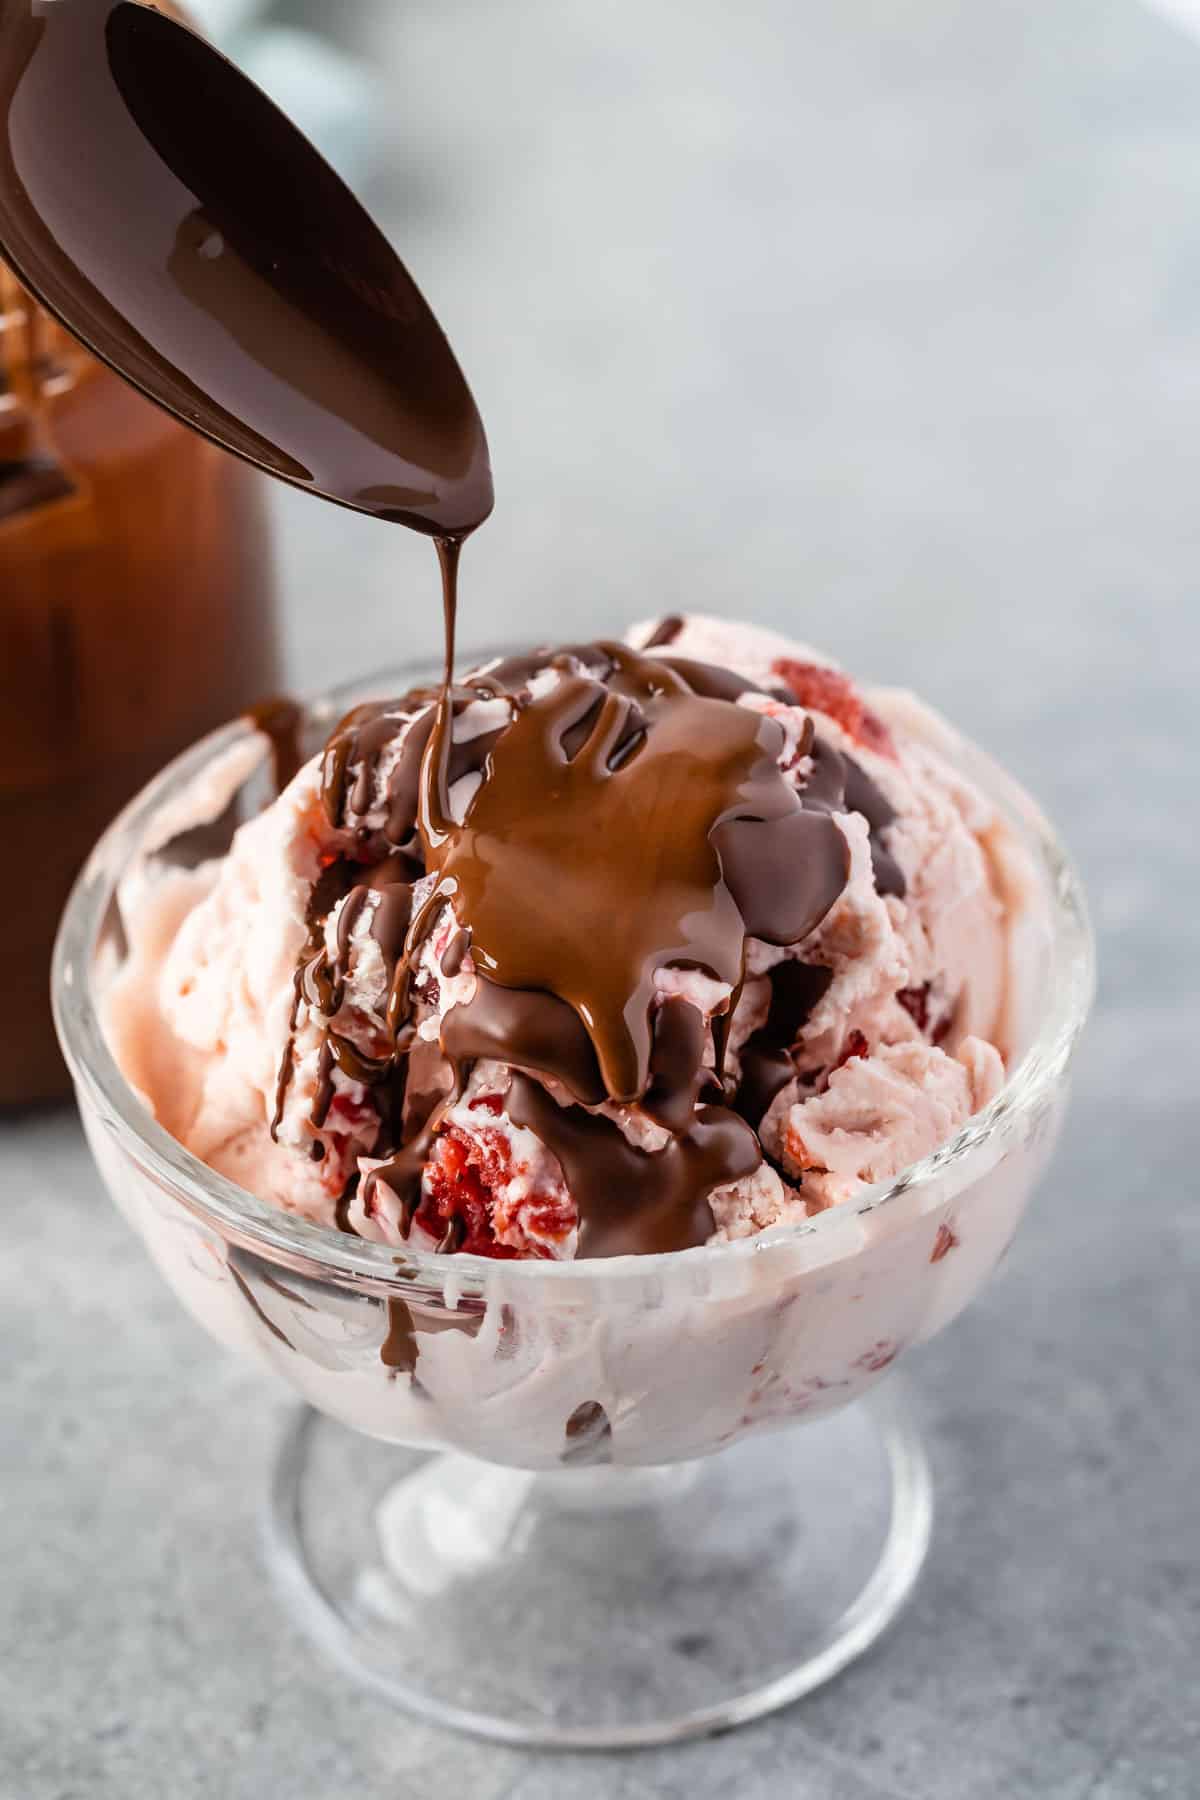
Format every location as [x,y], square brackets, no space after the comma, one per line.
[325,1086]
[530,1030]
[454,954]
[279,720]
[784,880]
[391,919]
[633,1201]
[796,991]
[430,1092]
[470,757]
[677,1072]
[348,918]
[391,923]
[320,983]
[454,1236]
[665,632]
[862,796]
[401,1175]
[408,1324]
[402,1172]
[252,1301]
[839,784]
[708,680]
[716,683]
[399,1349]
[404,782]
[350,769]
[588,1434]
[512,674]
[825,789]
[766,1071]
[355,747]
[326,892]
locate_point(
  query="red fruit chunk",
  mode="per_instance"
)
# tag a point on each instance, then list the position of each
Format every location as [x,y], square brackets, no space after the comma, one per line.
[549,1216]
[856,1045]
[459,1181]
[943,1243]
[465,1177]
[915,1002]
[834,694]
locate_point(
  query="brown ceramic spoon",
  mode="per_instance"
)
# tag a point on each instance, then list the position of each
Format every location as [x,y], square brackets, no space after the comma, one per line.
[179,225]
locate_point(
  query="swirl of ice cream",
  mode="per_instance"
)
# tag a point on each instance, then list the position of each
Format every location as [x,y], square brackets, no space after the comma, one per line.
[629,948]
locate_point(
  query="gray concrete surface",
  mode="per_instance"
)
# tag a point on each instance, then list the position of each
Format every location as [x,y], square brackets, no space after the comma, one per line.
[880,321]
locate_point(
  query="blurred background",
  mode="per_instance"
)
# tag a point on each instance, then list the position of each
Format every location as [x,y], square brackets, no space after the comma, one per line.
[880,323]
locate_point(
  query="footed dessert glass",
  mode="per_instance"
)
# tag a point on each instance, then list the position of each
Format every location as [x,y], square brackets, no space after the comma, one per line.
[555,1503]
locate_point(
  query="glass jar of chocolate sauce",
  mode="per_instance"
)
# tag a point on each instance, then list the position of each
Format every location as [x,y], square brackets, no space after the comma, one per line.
[136,613]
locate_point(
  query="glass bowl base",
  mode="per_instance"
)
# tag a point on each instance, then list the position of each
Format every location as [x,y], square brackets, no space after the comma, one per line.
[602,1607]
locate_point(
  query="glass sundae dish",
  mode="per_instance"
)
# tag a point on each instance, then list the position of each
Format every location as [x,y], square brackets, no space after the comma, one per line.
[570,1083]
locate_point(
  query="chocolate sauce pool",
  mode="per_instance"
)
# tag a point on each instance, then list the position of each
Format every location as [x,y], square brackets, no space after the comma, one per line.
[630,818]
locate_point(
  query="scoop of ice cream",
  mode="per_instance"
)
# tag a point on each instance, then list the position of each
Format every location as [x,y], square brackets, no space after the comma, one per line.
[627,949]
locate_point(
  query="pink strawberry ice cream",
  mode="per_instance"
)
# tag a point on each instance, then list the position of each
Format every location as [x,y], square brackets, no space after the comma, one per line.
[310,1016]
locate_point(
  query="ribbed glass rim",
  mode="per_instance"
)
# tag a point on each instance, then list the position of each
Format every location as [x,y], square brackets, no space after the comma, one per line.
[331,1255]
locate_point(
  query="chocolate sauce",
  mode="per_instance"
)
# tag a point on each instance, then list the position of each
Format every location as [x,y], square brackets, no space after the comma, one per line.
[280,720]
[632,819]
[668,837]
[252,1301]
[535,1030]
[399,1350]
[862,796]
[311,977]
[588,1435]
[796,990]
[407,1324]
[677,1072]
[633,1201]
[665,632]
[838,783]
[454,955]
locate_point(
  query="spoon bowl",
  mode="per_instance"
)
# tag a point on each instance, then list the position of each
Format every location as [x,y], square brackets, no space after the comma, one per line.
[156,201]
